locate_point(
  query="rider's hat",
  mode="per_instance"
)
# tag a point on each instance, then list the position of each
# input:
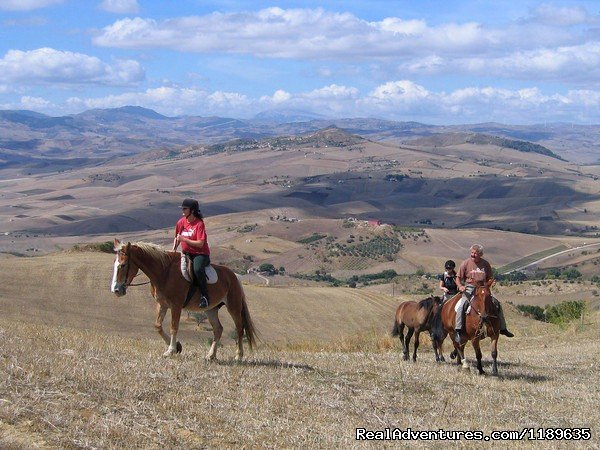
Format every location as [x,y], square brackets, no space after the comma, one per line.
[449,265]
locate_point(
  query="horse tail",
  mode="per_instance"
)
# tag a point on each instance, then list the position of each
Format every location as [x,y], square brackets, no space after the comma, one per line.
[395,329]
[437,326]
[247,323]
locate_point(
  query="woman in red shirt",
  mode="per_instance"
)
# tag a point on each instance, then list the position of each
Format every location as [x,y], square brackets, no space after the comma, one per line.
[190,232]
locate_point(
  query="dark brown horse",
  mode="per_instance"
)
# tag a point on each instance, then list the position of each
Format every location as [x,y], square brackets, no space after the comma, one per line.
[169,289]
[417,317]
[481,322]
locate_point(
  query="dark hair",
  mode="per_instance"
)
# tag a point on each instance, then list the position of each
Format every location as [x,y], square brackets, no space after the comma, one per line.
[194,207]
[450,265]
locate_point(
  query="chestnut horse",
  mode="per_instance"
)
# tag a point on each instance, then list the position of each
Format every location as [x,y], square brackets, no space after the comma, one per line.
[169,288]
[481,322]
[417,317]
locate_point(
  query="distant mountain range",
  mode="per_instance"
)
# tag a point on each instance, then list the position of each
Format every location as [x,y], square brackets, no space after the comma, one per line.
[37,141]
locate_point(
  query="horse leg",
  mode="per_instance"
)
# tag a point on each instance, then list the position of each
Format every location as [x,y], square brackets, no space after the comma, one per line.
[461,353]
[174,346]
[407,342]
[477,349]
[404,347]
[236,315]
[161,312]
[440,345]
[437,349]
[494,355]
[213,318]
[417,333]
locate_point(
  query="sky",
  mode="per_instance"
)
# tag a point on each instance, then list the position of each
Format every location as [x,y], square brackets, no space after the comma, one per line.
[430,61]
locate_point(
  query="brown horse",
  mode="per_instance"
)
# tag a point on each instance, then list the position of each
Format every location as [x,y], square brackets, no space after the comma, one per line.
[417,317]
[169,289]
[481,322]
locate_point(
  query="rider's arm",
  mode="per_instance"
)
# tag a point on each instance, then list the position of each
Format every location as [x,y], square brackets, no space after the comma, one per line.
[442,287]
[459,284]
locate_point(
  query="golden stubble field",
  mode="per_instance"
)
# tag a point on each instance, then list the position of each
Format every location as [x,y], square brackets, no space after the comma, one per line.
[82,369]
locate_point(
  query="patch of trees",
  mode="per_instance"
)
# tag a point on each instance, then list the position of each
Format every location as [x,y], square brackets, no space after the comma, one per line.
[270,269]
[321,275]
[559,314]
[314,237]
[522,146]
[395,177]
[247,228]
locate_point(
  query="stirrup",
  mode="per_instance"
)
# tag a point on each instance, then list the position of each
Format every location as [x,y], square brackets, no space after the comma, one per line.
[203,302]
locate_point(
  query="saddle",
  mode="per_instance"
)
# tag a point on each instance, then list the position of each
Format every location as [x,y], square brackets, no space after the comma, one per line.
[187,270]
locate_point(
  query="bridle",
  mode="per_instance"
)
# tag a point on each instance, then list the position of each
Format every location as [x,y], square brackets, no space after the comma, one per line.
[482,318]
[126,266]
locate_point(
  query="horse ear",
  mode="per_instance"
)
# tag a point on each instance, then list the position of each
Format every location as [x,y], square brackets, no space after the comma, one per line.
[116,244]
[128,247]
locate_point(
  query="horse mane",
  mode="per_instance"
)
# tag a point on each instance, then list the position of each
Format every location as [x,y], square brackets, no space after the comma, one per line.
[153,251]
[427,303]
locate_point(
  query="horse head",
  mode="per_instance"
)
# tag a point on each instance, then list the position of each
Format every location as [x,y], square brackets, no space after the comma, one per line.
[482,302]
[124,268]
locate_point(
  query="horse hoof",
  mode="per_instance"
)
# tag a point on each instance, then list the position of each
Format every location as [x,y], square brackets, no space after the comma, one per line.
[405,357]
[442,359]
[179,347]
[453,355]
[481,372]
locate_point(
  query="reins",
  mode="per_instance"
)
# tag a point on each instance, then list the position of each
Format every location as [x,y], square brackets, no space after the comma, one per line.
[138,284]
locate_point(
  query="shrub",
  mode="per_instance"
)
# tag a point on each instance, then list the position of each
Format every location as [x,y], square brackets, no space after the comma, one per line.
[565,312]
[268,268]
[535,311]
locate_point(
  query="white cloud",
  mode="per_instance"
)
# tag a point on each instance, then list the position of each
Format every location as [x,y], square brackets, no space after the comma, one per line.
[320,34]
[26,5]
[279,96]
[50,66]
[120,6]
[396,100]
[574,64]
[333,92]
[562,16]
[35,103]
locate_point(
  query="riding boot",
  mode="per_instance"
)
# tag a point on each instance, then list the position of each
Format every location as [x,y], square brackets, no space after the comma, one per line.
[457,335]
[200,262]
[503,330]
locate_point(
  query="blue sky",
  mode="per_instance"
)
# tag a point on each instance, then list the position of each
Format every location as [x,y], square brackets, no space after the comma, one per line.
[441,62]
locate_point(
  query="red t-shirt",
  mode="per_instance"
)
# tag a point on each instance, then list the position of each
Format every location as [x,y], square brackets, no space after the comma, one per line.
[195,231]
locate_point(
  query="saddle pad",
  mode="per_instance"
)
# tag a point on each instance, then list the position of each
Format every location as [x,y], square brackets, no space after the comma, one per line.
[186,269]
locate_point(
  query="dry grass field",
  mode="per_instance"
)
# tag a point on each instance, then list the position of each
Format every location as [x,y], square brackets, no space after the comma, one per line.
[80,368]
